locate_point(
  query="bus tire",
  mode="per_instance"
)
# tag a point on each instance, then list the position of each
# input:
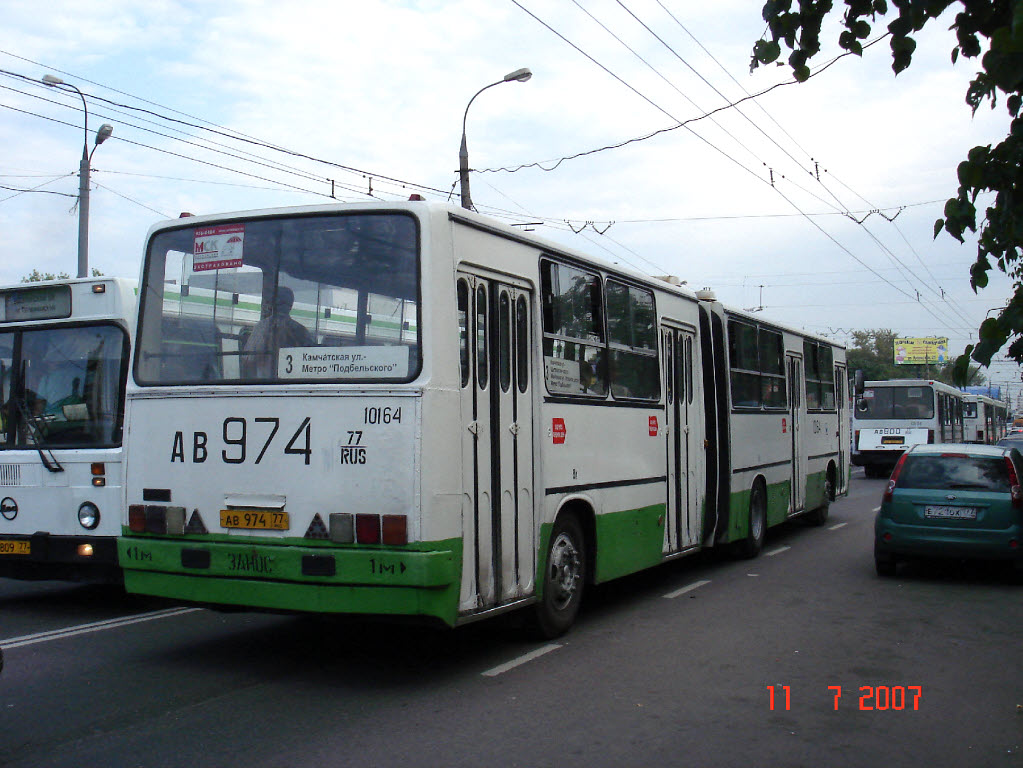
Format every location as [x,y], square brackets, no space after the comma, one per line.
[563,580]
[756,529]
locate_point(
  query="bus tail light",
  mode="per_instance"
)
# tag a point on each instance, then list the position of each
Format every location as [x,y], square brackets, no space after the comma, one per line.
[930,437]
[137,518]
[856,439]
[367,529]
[342,527]
[395,529]
[154,518]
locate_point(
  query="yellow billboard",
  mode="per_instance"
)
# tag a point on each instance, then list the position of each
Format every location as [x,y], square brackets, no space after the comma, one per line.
[921,351]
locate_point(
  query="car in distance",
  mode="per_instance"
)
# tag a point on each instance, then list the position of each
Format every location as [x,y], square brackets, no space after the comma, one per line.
[1012,441]
[961,501]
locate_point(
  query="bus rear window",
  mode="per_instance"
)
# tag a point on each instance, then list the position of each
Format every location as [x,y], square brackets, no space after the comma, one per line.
[328,298]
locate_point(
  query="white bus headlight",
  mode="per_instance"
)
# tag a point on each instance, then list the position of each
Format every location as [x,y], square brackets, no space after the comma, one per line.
[88,515]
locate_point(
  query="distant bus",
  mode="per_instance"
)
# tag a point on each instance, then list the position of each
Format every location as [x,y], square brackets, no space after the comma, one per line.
[890,416]
[984,419]
[465,419]
[64,348]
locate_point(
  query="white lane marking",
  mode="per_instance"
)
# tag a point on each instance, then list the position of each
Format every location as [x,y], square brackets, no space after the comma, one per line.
[876,509]
[777,551]
[687,588]
[98,626]
[836,527]
[502,668]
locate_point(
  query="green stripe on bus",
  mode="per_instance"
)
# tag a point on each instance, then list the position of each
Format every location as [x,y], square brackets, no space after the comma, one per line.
[629,541]
[366,580]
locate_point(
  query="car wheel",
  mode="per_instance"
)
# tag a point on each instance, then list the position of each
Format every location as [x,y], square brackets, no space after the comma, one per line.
[757,523]
[563,580]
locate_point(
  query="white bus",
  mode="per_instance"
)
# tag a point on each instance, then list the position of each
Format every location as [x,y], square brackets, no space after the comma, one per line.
[64,348]
[467,420]
[984,419]
[891,416]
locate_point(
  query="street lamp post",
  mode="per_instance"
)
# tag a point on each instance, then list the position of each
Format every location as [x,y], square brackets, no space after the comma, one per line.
[84,171]
[520,76]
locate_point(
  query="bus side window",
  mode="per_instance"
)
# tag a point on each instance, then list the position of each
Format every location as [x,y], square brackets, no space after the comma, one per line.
[462,291]
[481,337]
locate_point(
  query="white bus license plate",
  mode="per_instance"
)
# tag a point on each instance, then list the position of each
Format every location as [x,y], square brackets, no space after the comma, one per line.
[951,513]
[11,547]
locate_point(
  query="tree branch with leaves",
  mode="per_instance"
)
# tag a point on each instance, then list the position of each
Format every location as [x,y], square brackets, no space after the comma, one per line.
[991,30]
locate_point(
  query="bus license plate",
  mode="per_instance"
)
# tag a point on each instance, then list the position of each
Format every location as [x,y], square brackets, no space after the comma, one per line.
[254,519]
[11,547]
[950,513]
[893,440]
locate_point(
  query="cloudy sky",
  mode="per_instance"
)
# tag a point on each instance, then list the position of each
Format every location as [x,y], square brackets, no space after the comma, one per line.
[368,98]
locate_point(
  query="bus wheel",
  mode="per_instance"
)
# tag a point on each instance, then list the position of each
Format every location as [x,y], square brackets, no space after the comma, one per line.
[563,580]
[754,541]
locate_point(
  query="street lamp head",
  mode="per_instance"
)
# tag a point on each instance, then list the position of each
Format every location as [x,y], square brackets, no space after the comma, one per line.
[104,133]
[522,75]
[52,80]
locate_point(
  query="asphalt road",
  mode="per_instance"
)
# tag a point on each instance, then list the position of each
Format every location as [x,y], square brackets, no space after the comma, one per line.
[802,657]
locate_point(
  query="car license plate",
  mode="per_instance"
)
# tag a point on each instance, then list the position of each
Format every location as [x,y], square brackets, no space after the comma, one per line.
[11,547]
[950,513]
[893,440]
[254,519]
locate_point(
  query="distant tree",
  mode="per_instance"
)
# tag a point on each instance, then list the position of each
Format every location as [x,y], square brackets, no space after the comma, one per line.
[873,352]
[948,374]
[37,277]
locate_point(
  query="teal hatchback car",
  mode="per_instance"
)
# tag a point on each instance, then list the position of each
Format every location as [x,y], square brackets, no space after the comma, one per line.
[952,501]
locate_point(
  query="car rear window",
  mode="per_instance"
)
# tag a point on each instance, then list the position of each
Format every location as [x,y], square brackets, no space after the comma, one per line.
[983,473]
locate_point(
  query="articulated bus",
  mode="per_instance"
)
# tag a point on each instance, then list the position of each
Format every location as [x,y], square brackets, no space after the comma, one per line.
[984,419]
[891,416]
[64,348]
[412,410]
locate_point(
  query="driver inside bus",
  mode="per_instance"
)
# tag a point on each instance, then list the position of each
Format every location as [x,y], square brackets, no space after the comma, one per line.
[275,331]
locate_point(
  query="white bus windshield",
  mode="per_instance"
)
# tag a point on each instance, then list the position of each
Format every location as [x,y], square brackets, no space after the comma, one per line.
[62,386]
[316,299]
[916,402]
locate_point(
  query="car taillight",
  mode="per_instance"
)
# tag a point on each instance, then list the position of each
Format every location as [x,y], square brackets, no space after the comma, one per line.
[856,438]
[1014,488]
[892,480]
[930,437]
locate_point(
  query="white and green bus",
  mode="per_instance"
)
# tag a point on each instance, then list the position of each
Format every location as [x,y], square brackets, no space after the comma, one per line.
[411,409]
[984,419]
[889,417]
[63,364]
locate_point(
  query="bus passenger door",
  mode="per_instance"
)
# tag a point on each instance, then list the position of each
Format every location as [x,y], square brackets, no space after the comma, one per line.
[497,442]
[682,528]
[844,426]
[796,396]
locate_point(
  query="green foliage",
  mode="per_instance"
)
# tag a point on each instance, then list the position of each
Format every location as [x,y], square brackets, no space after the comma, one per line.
[996,25]
[35,276]
[873,352]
